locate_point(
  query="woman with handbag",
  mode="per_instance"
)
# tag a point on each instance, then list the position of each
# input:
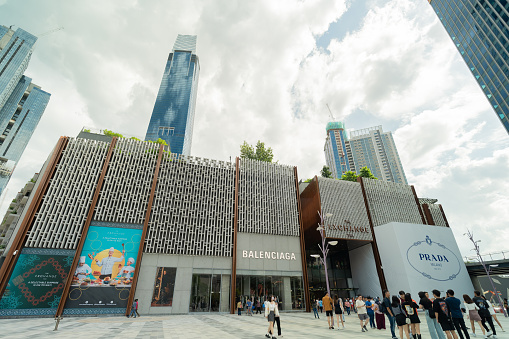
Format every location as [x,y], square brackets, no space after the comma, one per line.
[401,317]
[473,315]
[338,310]
[411,311]
[271,312]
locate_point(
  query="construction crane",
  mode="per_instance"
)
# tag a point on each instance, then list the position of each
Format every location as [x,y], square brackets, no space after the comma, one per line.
[330,113]
[50,32]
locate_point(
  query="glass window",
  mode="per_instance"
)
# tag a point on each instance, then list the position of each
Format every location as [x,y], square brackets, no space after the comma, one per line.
[205,293]
[164,286]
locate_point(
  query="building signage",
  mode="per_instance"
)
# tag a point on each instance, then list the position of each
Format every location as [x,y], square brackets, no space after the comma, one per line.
[268,255]
[433,260]
[347,226]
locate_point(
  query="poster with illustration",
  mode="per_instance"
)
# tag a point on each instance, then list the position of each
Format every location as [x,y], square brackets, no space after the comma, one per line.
[105,269]
[36,283]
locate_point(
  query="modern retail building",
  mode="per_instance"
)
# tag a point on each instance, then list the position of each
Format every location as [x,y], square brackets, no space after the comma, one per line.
[110,221]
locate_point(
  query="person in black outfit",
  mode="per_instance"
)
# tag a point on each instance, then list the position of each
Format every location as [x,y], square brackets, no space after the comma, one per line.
[454,305]
[443,315]
[411,310]
[484,312]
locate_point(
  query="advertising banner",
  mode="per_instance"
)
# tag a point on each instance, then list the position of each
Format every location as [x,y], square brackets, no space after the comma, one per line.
[37,282]
[102,280]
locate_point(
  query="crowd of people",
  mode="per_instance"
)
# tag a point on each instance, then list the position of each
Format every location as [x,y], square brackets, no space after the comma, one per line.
[445,315]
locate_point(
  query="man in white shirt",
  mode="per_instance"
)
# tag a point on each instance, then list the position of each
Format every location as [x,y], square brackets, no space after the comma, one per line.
[362,313]
[107,263]
[127,270]
[83,270]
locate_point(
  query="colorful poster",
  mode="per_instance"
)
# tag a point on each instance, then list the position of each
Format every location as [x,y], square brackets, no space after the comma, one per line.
[103,277]
[37,282]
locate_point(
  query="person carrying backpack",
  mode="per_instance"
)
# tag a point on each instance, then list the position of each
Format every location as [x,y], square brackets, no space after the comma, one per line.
[484,312]
[443,315]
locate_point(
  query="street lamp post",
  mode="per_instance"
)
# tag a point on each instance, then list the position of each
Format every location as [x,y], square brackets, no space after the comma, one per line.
[324,247]
[476,248]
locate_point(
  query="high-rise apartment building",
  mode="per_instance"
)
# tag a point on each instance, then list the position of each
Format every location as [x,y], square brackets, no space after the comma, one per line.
[335,149]
[22,103]
[480,31]
[369,147]
[173,115]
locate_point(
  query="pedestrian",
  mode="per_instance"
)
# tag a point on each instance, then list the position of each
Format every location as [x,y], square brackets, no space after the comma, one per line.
[379,316]
[249,304]
[401,296]
[435,330]
[484,313]
[443,315]
[134,308]
[271,312]
[320,304]
[386,308]
[493,313]
[400,316]
[258,306]
[315,309]
[454,305]
[328,305]
[347,306]
[362,313]
[411,307]
[277,320]
[239,307]
[371,314]
[473,313]
[338,310]
[506,305]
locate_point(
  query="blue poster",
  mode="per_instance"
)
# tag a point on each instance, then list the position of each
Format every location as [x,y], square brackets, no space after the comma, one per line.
[103,277]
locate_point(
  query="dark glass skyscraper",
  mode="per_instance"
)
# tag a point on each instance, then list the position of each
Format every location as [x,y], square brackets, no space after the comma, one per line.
[480,31]
[21,102]
[173,115]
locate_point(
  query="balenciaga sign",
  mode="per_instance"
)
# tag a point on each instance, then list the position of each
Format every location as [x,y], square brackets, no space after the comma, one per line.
[268,255]
[433,260]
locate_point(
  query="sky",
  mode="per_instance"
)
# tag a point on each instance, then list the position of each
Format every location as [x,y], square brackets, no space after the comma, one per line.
[268,69]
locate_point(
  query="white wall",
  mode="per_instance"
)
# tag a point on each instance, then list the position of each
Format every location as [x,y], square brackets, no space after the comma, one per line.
[421,258]
[364,274]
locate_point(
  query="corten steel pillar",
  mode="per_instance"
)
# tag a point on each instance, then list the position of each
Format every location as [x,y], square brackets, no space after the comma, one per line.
[88,220]
[378,261]
[443,214]
[427,214]
[235,230]
[302,245]
[418,205]
[145,228]
[20,238]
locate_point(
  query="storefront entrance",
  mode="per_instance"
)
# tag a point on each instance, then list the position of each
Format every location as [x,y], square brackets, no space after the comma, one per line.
[206,292]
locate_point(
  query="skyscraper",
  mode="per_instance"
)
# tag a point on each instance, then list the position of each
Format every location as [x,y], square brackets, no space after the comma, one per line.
[173,116]
[335,149]
[22,103]
[369,147]
[480,31]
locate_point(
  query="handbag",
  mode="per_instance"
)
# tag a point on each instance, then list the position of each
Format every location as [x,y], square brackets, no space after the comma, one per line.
[407,320]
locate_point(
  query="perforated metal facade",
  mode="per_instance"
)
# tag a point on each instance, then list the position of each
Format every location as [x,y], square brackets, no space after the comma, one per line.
[437,215]
[126,189]
[391,202]
[344,200]
[60,219]
[193,208]
[267,199]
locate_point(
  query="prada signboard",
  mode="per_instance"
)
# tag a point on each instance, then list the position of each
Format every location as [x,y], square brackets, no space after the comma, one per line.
[346,230]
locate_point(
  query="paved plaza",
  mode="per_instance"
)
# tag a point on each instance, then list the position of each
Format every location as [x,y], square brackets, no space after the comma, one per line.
[294,325]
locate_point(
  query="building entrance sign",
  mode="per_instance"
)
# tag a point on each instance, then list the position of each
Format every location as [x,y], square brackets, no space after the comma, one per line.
[268,255]
[347,227]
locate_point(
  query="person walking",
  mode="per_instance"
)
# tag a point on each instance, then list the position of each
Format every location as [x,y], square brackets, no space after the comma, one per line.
[315,309]
[134,309]
[473,314]
[443,315]
[239,308]
[454,305]
[484,313]
[435,330]
[320,304]
[400,317]
[338,310]
[249,305]
[362,313]
[411,307]
[386,307]
[347,306]
[379,316]
[328,305]
[493,313]
[258,306]
[271,311]
[371,313]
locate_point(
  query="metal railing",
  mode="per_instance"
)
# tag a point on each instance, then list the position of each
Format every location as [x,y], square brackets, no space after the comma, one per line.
[493,256]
